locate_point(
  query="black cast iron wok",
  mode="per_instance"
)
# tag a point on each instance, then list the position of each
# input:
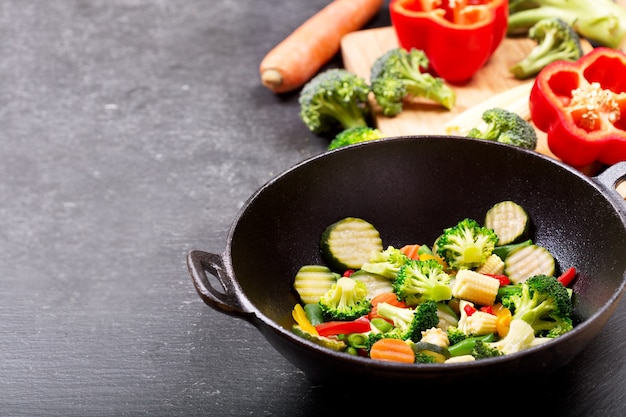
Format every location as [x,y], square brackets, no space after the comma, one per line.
[411,188]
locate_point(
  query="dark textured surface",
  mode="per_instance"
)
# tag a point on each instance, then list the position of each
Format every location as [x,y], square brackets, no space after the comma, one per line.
[132,132]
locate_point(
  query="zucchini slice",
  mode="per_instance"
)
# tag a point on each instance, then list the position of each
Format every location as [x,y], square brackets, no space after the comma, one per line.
[528,261]
[438,352]
[376,284]
[349,243]
[313,281]
[509,220]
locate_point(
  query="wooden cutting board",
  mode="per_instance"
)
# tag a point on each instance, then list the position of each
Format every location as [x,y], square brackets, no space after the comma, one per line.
[360,49]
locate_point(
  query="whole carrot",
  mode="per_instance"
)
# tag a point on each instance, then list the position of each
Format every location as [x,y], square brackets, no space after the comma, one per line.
[294,61]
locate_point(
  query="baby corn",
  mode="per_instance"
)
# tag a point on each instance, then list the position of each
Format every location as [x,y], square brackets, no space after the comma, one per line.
[477,288]
[493,265]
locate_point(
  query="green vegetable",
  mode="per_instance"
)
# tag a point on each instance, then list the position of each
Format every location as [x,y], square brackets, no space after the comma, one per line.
[422,280]
[465,346]
[348,243]
[527,261]
[505,250]
[409,323]
[505,126]
[312,281]
[600,21]
[376,284]
[354,135]
[334,100]
[438,353]
[466,244]
[509,221]
[314,313]
[386,263]
[346,300]
[333,344]
[556,41]
[544,303]
[398,74]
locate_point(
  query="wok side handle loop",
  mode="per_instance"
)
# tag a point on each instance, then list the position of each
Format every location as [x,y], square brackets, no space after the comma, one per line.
[226,300]
[611,178]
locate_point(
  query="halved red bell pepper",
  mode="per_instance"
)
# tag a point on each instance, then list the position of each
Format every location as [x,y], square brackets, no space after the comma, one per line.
[581,106]
[457,36]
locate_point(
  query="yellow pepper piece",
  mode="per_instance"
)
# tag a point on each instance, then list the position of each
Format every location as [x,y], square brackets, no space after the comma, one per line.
[299,316]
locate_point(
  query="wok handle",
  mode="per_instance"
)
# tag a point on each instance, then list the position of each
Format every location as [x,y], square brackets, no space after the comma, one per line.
[228,299]
[612,177]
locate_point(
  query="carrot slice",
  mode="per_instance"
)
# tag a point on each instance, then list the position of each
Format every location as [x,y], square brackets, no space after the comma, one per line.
[411,251]
[386,297]
[294,61]
[394,350]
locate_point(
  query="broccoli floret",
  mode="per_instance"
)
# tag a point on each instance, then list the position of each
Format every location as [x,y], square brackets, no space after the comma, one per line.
[601,21]
[345,300]
[544,303]
[505,126]
[466,244]
[386,263]
[483,350]
[355,135]
[422,280]
[398,74]
[421,357]
[334,100]
[556,41]
[455,335]
[409,323]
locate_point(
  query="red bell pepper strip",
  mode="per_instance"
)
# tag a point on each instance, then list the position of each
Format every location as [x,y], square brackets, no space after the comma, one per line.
[581,106]
[457,36]
[333,328]
[504,280]
[567,277]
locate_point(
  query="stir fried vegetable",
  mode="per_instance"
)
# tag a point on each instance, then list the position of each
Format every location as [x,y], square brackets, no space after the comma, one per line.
[434,308]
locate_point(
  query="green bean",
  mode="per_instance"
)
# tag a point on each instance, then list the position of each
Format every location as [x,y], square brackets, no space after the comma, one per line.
[314,313]
[357,340]
[465,346]
[381,324]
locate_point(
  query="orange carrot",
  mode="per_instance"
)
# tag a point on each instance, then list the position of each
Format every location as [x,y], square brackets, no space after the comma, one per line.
[386,297]
[394,350]
[295,60]
[411,251]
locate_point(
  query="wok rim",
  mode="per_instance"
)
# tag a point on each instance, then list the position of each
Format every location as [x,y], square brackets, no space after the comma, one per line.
[590,327]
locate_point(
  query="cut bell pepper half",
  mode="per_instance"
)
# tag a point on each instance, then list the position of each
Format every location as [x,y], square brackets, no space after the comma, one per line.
[457,36]
[581,106]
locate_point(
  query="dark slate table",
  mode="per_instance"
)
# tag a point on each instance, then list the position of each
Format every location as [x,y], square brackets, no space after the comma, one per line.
[132,131]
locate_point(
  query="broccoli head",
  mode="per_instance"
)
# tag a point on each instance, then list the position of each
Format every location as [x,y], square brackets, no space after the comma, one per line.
[355,135]
[399,74]
[466,244]
[386,263]
[505,126]
[556,41]
[335,99]
[544,303]
[409,323]
[345,300]
[422,280]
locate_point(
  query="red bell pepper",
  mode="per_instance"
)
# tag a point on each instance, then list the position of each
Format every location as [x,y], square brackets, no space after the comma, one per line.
[333,328]
[581,106]
[457,36]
